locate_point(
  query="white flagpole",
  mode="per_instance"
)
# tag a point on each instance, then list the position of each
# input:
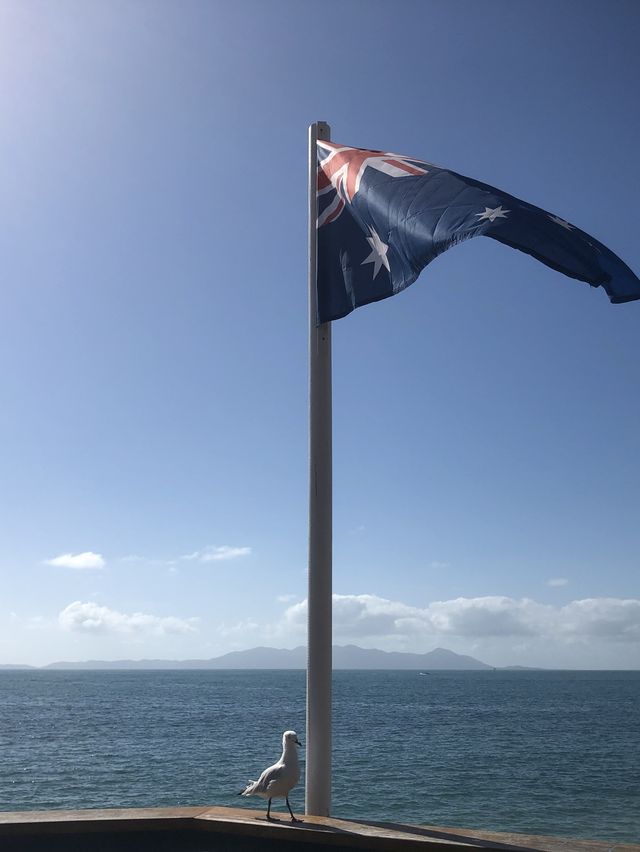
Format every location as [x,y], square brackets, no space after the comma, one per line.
[318,746]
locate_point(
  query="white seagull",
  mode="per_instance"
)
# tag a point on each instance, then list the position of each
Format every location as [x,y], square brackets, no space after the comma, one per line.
[279,779]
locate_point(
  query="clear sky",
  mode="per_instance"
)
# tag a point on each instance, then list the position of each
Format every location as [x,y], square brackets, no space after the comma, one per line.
[153,333]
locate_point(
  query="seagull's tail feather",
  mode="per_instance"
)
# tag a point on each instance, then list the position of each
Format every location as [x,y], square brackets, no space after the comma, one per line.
[249,789]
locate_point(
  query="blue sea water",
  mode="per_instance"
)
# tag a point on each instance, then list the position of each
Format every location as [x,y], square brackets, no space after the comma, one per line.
[537,752]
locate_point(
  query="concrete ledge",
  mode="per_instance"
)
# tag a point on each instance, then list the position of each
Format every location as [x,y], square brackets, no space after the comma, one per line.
[212,829]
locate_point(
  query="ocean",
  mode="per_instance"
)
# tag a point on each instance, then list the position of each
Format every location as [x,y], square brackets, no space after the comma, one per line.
[528,751]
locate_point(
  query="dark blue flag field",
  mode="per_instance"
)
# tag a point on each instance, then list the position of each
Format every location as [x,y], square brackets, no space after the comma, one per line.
[383,217]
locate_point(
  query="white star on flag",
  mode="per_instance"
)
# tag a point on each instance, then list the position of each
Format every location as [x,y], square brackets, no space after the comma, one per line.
[560,221]
[493,214]
[378,254]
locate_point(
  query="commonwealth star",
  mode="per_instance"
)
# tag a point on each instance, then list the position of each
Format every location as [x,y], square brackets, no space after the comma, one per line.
[493,214]
[378,254]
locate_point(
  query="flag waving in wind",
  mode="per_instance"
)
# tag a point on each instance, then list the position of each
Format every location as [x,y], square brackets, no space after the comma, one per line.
[383,217]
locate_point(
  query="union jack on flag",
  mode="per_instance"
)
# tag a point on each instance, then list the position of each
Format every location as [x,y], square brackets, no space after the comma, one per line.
[383,217]
[341,169]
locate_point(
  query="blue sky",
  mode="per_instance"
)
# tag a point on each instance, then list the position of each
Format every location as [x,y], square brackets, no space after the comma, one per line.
[153,390]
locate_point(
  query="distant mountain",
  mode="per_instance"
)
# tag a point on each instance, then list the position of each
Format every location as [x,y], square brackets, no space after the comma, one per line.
[14,667]
[353,657]
[523,669]
[344,657]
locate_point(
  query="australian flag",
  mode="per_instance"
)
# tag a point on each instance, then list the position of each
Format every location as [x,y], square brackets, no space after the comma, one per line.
[383,217]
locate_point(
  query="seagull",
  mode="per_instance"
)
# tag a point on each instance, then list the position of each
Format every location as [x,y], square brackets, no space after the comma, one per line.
[279,779]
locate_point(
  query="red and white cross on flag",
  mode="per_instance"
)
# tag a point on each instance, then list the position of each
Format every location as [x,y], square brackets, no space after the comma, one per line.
[341,168]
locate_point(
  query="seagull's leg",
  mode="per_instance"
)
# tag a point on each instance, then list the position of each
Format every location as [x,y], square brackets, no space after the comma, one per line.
[269,810]
[293,819]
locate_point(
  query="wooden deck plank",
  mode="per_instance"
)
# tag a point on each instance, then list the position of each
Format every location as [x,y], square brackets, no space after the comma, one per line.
[319,830]
[96,820]
[311,833]
[542,843]
[324,832]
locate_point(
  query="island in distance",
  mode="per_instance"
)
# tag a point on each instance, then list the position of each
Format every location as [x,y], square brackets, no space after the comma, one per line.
[344,657]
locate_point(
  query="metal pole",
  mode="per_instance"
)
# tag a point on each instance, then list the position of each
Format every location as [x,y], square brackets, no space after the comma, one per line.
[318,746]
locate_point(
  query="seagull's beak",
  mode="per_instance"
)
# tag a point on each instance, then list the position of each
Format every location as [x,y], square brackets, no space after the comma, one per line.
[298,742]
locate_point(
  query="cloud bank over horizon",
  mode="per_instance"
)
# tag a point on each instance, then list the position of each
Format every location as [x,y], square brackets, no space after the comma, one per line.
[593,632]
[370,616]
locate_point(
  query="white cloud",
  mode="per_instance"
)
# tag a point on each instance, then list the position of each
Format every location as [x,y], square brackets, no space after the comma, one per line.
[78,561]
[606,618]
[360,616]
[286,598]
[90,618]
[371,618]
[217,554]
[487,616]
[557,582]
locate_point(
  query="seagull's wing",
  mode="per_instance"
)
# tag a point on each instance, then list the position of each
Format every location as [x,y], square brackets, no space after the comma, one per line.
[272,776]
[266,779]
